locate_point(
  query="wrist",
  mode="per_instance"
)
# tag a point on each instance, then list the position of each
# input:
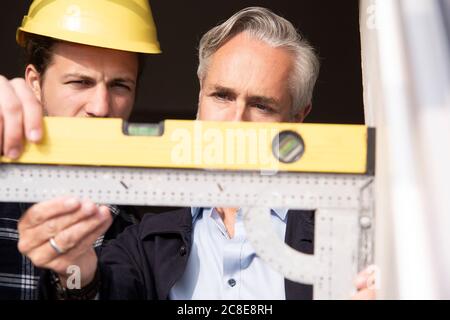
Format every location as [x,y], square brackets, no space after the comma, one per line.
[80,273]
[87,291]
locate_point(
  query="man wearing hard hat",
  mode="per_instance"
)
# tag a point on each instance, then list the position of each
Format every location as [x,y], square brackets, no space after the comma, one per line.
[80,62]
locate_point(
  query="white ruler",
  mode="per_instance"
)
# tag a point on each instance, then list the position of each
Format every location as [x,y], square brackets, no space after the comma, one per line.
[344,218]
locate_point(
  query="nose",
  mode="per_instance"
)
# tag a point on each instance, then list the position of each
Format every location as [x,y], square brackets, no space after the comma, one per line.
[99,103]
[240,112]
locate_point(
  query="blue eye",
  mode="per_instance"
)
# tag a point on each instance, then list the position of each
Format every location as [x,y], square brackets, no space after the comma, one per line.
[264,108]
[222,95]
[121,85]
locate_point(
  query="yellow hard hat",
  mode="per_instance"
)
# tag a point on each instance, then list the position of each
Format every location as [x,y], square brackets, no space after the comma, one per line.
[115,24]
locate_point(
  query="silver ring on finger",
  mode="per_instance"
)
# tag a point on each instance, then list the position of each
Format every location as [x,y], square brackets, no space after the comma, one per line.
[55,246]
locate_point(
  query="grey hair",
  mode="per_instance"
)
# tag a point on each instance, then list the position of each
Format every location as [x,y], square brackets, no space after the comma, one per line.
[262,24]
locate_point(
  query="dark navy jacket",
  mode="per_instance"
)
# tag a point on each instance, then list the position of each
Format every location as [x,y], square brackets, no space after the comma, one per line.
[147,259]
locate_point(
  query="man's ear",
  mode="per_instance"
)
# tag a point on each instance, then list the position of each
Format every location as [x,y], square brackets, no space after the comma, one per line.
[300,117]
[33,80]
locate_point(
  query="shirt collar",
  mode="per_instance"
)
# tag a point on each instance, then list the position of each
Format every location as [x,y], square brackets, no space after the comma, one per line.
[195,211]
[281,213]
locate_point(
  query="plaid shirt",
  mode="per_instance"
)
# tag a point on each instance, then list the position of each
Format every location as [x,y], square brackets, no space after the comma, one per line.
[18,277]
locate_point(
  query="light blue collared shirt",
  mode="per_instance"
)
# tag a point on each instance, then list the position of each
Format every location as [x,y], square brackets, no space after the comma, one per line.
[220,267]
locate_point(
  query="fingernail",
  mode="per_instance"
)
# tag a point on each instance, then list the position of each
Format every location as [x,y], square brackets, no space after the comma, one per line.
[103,212]
[71,203]
[13,154]
[34,135]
